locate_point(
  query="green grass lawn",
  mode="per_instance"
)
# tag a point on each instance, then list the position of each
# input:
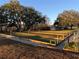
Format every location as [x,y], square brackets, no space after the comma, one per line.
[73,46]
[39,38]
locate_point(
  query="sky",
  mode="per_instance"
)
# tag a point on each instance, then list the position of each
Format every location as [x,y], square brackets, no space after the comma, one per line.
[49,8]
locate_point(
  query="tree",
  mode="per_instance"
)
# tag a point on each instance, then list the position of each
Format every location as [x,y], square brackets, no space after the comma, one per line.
[14,14]
[67,19]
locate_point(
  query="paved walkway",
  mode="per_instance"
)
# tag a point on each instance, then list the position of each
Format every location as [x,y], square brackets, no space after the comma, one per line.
[23,40]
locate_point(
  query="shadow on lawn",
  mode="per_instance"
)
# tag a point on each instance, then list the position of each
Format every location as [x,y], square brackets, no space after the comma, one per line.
[47,40]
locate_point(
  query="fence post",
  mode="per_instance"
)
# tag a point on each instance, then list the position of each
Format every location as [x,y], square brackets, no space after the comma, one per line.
[57,40]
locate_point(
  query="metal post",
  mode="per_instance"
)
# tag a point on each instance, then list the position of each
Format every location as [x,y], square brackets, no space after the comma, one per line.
[75,41]
[50,42]
[57,40]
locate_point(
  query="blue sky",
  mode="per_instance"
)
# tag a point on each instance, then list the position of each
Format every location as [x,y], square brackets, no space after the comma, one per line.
[50,8]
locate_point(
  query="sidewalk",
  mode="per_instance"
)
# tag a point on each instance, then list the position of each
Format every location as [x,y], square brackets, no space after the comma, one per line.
[24,40]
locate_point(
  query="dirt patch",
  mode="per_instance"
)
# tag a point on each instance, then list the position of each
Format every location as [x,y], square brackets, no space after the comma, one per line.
[15,50]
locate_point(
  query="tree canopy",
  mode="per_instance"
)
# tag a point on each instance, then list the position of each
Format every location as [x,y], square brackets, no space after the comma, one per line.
[13,12]
[68,18]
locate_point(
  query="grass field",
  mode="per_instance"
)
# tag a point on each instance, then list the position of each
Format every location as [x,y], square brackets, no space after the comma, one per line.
[45,36]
